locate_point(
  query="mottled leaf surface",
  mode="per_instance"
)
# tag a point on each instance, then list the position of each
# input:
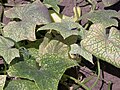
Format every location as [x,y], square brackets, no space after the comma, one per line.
[2,81]
[78,50]
[104,17]
[35,12]
[53,60]
[54,46]
[35,54]
[47,78]
[7,51]
[21,85]
[65,28]
[30,15]
[103,45]
[20,31]
[44,44]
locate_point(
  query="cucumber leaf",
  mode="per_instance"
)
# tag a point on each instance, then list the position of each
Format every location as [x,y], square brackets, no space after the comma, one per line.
[6,50]
[47,77]
[53,46]
[30,15]
[47,67]
[21,85]
[103,45]
[78,50]
[65,28]
[105,17]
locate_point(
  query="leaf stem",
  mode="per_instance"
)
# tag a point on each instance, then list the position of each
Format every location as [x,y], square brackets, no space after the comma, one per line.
[77,81]
[98,66]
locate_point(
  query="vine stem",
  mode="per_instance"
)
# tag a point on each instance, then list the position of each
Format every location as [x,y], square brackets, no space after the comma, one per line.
[82,84]
[98,76]
[77,81]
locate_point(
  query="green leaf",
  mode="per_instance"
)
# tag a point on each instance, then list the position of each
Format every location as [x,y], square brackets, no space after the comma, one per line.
[2,81]
[35,53]
[109,2]
[65,28]
[20,31]
[52,46]
[43,45]
[53,4]
[104,17]
[7,51]
[21,85]
[104,46]
[78,50]
[53,60]
[35,12]
[30,15]
[47,78]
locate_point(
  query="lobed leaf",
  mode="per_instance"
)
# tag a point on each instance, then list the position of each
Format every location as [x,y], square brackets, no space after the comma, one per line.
[47,78]
[105,17]
[6,50]
[104,46]
[30,15]
[20,31]
[35,12]
[65,28]
[52,61]
[55,46]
